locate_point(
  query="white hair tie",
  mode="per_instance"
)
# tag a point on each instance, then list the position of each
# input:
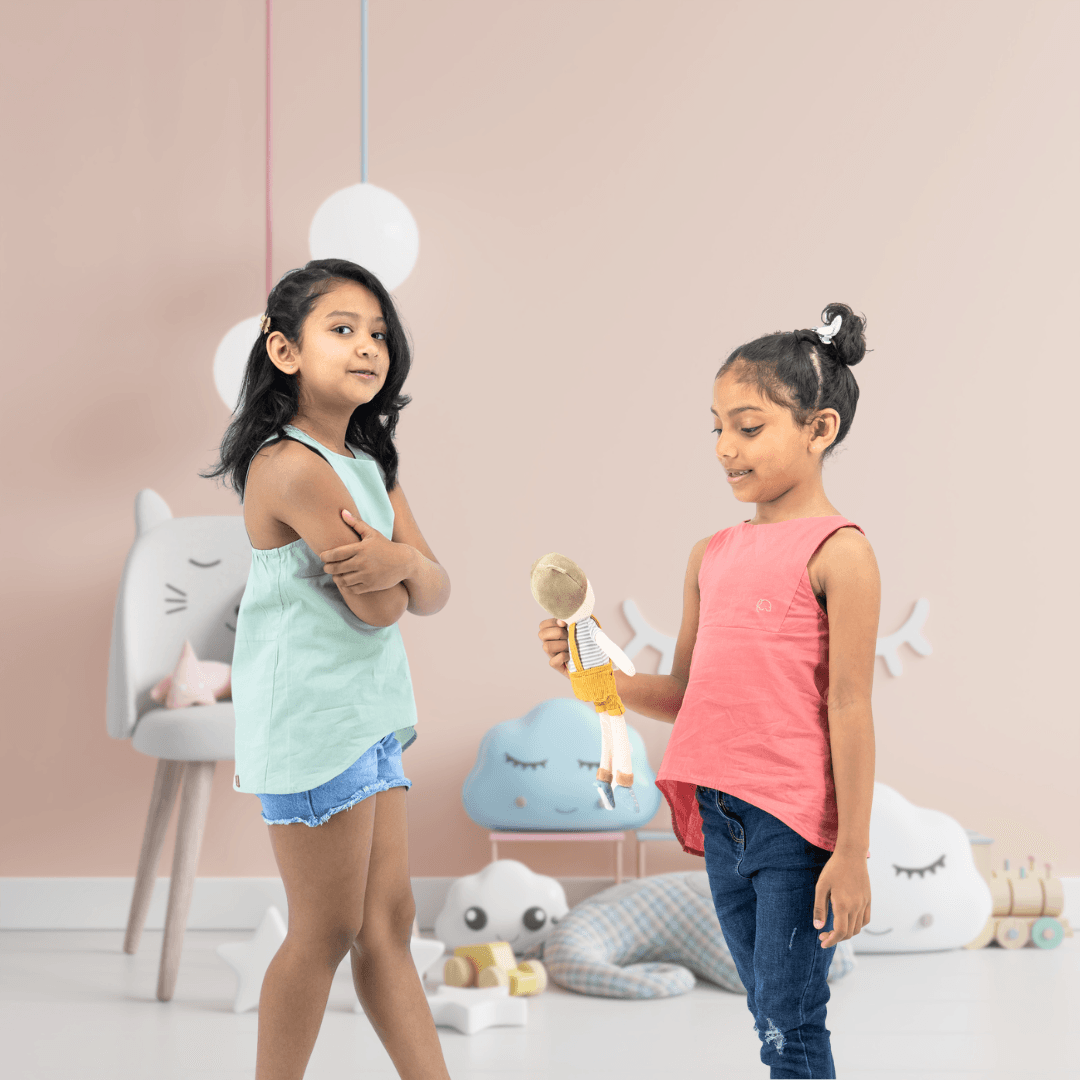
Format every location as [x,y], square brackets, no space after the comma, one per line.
[827,333]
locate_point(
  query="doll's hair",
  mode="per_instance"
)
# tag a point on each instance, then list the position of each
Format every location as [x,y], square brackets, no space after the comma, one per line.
[799,372]
[558,584]
[269,398]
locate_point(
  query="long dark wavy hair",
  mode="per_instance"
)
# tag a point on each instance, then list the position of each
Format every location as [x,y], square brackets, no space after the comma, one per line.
[798,372]
[269,398]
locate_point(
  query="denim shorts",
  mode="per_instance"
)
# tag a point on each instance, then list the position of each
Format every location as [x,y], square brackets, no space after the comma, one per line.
[375,770]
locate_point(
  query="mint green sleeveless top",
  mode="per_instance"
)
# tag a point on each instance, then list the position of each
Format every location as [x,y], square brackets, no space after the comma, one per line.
[313,686]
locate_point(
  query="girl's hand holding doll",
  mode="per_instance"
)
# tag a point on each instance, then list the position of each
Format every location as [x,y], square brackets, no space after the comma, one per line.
[556,639]
[372,565]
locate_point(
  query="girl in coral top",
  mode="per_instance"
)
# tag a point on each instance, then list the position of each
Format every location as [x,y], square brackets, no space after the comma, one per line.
[769,771]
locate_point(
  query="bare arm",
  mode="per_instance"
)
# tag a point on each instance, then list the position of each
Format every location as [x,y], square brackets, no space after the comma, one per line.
[849,575]
[852,586]
[306,495]
[427,582]
[656,696]
[377,563]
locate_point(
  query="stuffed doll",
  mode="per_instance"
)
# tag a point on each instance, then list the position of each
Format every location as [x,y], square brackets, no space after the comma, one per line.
[562,589]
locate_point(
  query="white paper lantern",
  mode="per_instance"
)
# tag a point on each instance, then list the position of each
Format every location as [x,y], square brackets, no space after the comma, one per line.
[231,359]
[370,226]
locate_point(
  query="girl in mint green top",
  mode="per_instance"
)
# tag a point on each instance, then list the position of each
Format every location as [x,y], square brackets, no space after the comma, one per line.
[314,686]
[320,678]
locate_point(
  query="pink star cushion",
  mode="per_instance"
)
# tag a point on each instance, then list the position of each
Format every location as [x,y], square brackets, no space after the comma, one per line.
[193,682]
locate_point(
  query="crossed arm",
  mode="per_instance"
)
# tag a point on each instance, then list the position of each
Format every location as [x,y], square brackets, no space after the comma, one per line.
[379,577]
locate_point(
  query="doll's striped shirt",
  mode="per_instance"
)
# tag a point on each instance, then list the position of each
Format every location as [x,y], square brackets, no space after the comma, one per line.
[585,637]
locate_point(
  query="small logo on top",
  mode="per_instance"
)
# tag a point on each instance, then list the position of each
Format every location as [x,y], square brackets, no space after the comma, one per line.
[764,605]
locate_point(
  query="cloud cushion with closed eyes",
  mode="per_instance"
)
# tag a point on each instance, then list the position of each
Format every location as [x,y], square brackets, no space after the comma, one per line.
[537,772]
[926,893]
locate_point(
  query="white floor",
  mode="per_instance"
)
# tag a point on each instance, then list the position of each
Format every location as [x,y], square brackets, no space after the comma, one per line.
[74,1007]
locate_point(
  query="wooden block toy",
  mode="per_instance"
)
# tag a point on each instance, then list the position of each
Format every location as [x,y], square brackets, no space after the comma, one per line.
[1027,908]
[494,964]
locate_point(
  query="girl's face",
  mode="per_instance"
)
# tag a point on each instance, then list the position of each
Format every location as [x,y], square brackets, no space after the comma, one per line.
[762,450]
[342,359]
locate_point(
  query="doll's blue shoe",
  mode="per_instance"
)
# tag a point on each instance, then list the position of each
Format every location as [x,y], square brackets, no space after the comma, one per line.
[633,798]
[607,796]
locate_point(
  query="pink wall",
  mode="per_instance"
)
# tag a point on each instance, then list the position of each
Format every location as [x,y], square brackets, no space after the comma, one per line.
[608,201]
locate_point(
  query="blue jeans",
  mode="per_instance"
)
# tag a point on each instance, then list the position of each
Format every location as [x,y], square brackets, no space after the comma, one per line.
[763,875]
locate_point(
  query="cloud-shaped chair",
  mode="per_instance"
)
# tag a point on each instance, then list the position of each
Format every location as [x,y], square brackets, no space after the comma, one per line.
[536,773]
[183,580]
[926,892]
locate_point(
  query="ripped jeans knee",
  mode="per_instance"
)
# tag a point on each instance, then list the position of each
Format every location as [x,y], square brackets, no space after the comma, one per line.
[772,1035]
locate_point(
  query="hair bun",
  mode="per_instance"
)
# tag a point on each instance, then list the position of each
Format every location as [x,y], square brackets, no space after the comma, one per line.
[849,344]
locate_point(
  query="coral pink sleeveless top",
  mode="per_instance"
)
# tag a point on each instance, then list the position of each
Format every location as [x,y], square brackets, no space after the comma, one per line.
[754,720]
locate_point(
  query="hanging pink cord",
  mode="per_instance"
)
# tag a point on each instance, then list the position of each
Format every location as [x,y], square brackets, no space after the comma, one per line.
[269,156]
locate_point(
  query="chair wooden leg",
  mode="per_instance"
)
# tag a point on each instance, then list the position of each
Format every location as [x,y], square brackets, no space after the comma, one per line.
[166,784]
[194,803]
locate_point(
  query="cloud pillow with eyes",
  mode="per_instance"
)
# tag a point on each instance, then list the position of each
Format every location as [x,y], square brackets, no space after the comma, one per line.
[925,890]
[536,773]
[506,901]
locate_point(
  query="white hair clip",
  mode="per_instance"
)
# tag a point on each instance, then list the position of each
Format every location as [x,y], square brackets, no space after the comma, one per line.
[827,333]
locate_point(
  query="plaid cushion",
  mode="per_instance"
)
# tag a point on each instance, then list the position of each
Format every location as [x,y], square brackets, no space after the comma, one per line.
[648,938]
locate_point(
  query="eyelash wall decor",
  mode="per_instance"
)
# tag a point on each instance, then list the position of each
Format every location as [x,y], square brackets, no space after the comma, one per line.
[887,647]
[911,633]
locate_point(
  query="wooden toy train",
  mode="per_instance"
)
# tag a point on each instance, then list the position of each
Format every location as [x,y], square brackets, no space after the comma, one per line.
[1027,908]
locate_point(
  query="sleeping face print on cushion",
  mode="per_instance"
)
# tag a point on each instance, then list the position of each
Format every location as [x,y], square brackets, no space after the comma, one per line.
[537,773]
[183,581]
[925,890]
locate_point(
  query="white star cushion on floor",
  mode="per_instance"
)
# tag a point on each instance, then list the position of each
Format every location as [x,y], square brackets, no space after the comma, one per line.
[250,959]
[471,1009]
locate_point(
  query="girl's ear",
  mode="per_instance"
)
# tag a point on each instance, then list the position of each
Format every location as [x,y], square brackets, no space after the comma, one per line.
[826,426]
[281,353]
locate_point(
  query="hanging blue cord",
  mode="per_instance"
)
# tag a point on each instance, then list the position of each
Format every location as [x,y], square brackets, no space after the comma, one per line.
[363,92]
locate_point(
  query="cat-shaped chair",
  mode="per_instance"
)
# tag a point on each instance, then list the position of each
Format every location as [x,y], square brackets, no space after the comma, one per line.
[183,580]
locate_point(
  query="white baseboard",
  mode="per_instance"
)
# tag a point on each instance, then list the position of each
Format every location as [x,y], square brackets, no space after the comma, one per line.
[86,903]
[102,903]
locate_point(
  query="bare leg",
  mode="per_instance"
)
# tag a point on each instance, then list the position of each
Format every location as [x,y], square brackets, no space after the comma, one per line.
[384,974]
[325,872]
[604,772]
[620,746]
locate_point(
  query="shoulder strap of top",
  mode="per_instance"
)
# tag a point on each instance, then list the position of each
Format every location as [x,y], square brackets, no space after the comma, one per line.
[293,438]
[280,438]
